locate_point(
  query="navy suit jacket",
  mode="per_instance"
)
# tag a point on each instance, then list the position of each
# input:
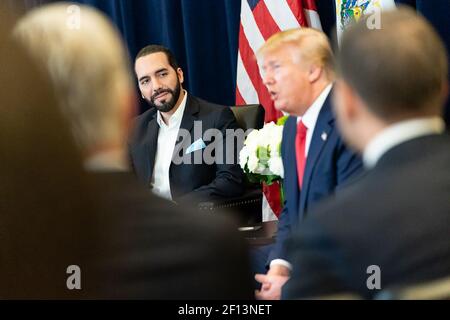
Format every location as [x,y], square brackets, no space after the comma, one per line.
[328,165]
[190,181]
[396,216]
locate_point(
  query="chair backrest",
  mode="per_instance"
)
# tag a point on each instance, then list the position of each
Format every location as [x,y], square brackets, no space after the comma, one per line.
[432,290]
[249,116]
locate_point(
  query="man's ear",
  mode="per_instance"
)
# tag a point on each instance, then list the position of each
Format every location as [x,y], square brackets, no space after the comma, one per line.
[352,101]
[345,100]
[314,73]
[180,75]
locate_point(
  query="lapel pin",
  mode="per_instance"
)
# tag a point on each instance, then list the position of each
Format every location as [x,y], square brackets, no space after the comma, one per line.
[324,136]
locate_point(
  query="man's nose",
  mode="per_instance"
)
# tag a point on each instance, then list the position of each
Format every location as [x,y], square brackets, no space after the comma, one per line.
[157,85]
[267,78]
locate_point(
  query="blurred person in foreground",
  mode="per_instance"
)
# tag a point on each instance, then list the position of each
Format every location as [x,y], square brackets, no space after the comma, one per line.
[152,249]
[394,222]
[46,211]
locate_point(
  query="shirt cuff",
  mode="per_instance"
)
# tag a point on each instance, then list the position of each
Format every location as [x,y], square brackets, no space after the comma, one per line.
[282,263]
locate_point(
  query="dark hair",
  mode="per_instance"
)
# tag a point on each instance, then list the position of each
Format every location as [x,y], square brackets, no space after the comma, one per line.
[154,48]
[400,69]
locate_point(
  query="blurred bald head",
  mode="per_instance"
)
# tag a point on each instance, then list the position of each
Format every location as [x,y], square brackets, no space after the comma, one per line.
[88,65]
[390,74]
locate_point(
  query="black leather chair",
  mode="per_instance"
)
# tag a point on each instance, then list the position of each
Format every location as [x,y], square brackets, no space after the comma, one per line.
[249,116]
[247,207]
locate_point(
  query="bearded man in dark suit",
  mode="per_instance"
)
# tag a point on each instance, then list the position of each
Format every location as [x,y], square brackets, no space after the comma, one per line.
[171,141]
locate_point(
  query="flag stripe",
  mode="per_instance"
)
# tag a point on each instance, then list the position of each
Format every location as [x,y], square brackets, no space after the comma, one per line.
[312,17]
[249,65]
[297,9]
[252,3]
[265,21]
[245,84]
[251,69]
[239,100]
[251,30]
[282,14]
[309,5]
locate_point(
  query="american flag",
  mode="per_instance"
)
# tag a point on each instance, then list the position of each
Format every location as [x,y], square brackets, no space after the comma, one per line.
[259,20]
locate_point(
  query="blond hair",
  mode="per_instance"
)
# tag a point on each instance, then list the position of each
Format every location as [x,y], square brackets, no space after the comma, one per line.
[313,46]
[87,63]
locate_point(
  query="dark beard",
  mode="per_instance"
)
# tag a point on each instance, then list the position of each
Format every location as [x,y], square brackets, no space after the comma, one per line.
[166,106]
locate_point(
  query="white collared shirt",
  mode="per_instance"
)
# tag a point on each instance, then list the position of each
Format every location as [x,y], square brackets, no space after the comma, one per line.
[309,120]
[398,133]
[167,138]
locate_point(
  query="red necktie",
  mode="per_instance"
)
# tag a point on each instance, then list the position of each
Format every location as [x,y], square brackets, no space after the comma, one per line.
[300,142]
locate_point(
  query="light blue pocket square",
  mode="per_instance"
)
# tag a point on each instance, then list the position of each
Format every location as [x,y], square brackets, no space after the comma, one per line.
[197,145]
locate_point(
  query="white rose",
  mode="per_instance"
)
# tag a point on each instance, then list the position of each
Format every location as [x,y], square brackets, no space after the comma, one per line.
[276,166]
[275,148]
[243,156]
[270,136]
[252,139]
[274,151]
[253,162]
[266,133]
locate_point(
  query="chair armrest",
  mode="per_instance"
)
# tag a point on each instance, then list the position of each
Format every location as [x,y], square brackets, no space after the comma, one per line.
[246,207]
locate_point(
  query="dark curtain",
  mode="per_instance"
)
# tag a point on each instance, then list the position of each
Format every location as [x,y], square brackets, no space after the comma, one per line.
[203,34]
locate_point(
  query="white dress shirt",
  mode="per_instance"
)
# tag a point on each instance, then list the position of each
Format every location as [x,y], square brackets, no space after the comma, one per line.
[309,120]
[167,137]
[398,133]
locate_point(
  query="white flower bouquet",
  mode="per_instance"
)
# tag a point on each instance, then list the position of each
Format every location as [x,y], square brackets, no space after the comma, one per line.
[260,158]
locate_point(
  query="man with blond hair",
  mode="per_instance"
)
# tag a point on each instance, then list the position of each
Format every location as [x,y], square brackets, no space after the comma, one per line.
[391,228]
[297,69]
[151,250]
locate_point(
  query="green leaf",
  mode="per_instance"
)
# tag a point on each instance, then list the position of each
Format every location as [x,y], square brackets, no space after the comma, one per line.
[281,121]
[263,155]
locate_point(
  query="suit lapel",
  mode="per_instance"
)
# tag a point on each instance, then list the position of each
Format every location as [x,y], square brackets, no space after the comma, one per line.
[187,123]
[190,112]
[291,180]
[322,130]
[150,147]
